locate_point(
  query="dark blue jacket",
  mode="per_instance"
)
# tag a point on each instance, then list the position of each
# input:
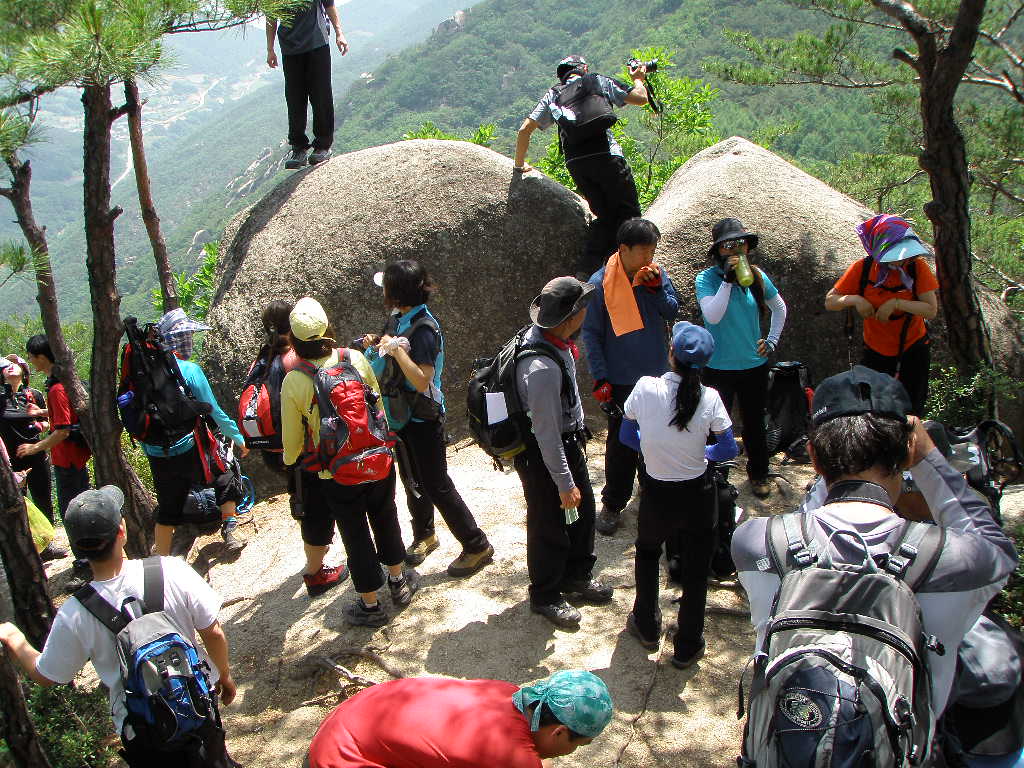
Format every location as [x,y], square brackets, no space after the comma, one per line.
[624,359]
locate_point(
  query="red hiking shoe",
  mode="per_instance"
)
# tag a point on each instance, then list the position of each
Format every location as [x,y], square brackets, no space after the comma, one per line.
[328,576]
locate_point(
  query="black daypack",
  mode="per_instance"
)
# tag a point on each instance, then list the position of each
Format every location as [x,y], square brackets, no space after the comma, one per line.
[586,111]
[154,402]
[496,376]
[405,403]
[841,678]
[788,410]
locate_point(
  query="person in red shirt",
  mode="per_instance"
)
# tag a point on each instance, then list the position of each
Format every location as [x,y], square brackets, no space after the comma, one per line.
[437,722]
[895,299]
[69,453]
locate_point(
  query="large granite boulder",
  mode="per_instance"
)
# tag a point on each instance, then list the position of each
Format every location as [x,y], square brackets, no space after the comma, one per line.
[489,239]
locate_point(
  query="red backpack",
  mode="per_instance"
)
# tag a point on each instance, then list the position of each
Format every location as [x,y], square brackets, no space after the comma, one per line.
[259,406]
[355,441]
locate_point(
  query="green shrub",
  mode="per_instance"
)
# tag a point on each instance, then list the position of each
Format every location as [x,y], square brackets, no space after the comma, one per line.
[960,401]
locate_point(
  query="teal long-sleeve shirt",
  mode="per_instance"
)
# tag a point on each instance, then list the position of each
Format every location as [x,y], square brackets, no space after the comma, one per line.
[200,386]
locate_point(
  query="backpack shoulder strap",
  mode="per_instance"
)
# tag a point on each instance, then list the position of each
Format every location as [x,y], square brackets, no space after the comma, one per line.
[104,612]
[915,556]
[152,585]
[912,274]
[306,367]
[865,270]
[786,542]
[543,349]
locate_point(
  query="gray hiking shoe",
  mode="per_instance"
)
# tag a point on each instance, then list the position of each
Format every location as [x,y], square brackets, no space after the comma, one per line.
[234,542]
[359,615]
[297,158]
[319,156]
[402,591]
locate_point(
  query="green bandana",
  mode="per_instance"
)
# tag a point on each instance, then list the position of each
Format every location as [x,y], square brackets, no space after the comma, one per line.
[579,699]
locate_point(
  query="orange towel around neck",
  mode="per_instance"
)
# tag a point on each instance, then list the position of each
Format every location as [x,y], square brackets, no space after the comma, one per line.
[619,299]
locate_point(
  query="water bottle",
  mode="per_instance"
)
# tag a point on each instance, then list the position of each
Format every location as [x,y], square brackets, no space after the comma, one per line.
[125,399]
[744,276]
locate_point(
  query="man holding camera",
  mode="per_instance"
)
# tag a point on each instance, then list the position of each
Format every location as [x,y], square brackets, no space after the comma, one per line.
[582,106]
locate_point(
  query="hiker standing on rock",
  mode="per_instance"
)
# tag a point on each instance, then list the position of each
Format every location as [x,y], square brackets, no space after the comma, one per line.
[553,467]
[437,722]
[306,60]
[582,106]
[416,409]
[733,295]
[364,512]
[675,414]
[625,335]
[894,290]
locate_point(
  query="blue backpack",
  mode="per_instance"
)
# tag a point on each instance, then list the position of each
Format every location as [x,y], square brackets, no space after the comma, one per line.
[167,689]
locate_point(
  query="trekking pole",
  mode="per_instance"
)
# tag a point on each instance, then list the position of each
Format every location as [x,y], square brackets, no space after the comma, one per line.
[848,323]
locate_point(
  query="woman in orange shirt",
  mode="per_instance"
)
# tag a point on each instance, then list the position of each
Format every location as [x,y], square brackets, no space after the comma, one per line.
[895,298]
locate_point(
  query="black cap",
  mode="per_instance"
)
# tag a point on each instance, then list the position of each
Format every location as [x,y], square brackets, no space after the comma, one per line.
[730,229]
[859,390]
[568,65]
[93,517]
[559,300]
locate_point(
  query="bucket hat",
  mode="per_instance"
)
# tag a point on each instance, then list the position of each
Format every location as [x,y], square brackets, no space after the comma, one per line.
[730,229]
[559,300]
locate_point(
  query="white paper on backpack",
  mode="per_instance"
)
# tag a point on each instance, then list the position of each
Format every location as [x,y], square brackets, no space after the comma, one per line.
[497,409]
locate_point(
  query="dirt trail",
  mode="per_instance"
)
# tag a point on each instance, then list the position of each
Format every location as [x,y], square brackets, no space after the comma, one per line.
[479,627]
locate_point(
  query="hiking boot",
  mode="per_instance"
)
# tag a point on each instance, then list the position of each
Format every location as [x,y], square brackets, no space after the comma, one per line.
[650,643]
[760,488]
[688,661]
[608,521]
[419,549]
[81,574]
[588,591]
[359,615]
[319,156]
[402,591]
[234,542]
[53,551]
[561,614]
[327,577]
[469,563]
[297,158]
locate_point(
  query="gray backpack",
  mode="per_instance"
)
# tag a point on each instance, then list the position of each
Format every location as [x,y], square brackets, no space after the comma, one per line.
[841,678]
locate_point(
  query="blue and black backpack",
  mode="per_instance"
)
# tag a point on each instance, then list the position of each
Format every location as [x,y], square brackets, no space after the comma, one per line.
[167,689]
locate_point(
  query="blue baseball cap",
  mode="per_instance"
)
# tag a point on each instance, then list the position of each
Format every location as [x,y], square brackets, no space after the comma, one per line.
[906,248]
[692,344]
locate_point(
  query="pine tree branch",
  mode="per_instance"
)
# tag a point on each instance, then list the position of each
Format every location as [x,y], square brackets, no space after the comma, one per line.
[119,112]
[7,192]
[1004,83]
[832,13]
[25,97]
[998,187]
[906,15]
[1011,21]
[959,49]
[1015,58]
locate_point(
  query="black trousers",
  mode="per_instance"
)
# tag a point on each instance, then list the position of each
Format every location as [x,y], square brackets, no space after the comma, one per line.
[666,509]
[750,387]
[914,369]
[621,463]
[175,476]
[70,482]
[556,553]
[307,80]
[425,441]
[606,182]
[38,480]
[367,520]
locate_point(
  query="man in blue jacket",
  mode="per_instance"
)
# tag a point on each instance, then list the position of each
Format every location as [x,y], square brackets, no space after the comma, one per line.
[626,337]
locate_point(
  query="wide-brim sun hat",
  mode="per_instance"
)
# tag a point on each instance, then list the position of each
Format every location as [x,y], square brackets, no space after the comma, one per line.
[559,300]
[730,229]
[907,248]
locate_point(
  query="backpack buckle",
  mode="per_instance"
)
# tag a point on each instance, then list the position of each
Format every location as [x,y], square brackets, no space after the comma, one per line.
[802,556]
[896,564]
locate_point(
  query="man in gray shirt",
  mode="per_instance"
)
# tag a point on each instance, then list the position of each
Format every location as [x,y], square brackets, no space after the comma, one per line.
[553,468]
[306,61]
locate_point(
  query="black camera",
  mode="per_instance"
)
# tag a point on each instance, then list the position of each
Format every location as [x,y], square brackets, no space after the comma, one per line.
[651,66]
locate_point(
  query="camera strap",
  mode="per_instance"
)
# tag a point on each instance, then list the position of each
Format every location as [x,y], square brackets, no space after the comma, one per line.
[859,490]
[652,98]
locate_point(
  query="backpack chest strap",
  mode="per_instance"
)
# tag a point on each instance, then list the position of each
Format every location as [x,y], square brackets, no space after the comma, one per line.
[786,543]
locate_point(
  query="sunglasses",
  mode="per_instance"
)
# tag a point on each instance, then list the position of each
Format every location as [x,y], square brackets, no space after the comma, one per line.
[731,244]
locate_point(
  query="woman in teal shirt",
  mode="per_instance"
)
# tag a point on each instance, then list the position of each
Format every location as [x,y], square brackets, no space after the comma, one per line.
[739,367]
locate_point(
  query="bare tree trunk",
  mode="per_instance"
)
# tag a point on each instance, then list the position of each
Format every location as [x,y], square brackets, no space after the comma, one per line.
[33,609]
[18,731]
[109,460]
[20,195]
[156,238]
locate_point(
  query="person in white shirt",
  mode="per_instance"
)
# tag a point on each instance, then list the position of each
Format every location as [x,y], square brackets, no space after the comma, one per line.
[674,414]
[95,526]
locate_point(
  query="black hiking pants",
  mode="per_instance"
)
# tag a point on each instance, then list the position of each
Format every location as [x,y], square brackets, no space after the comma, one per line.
[683,511]
[607,184]
[425,441]
[914,367]
[750,387]
[307,80]
[556,553]
[621,463]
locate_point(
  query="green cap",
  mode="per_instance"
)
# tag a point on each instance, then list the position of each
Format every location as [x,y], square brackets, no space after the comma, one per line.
[579,699]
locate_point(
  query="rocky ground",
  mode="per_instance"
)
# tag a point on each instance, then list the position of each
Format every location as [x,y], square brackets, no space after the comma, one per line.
[477,627]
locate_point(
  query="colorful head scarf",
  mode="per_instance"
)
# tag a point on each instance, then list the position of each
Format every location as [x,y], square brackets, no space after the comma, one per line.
[878,235]
[176,329]
[579,699]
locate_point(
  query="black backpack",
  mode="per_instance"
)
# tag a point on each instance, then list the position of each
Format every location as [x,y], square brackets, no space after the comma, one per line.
[154,402]
[404,403]
[506,436]
[586,111]
[788,410]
